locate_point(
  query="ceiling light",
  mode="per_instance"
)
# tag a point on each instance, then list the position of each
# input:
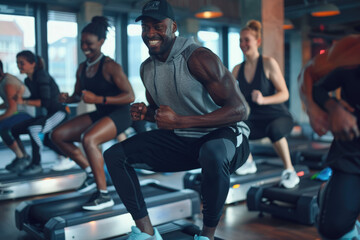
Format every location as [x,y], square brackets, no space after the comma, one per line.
[209,11]
[288,24]
[325,10]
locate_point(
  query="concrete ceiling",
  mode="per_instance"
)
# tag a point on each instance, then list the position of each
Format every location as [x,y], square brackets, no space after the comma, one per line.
[348,22]
[298,11]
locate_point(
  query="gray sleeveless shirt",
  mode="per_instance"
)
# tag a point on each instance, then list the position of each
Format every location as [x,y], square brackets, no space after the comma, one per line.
[171,83]
[12,80]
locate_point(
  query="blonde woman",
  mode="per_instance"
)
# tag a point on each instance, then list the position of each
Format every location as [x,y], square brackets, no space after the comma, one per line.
[264,88]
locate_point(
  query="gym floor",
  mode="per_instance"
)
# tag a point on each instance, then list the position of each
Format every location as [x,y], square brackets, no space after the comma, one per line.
[236,223]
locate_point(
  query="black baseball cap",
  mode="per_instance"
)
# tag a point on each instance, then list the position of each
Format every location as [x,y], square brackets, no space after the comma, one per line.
[157,9]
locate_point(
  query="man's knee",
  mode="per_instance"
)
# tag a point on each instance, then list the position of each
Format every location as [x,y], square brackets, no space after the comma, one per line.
[215,160]
[218,149]
[329,226]
[333,229]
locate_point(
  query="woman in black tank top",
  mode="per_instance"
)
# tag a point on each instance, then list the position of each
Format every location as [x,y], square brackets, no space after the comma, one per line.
[100,81]
[261,81]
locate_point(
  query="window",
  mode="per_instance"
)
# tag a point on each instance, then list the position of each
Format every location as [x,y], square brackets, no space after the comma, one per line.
[209,38]
[63,45]
[138,52]
[17,32]
[235,54]
[108,47]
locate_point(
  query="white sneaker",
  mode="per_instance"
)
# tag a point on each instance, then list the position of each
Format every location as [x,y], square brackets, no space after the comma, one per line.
[247,168]
[64,164]
[289,179]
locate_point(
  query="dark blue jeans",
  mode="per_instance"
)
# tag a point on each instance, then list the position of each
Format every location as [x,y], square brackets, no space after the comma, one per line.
[8,123]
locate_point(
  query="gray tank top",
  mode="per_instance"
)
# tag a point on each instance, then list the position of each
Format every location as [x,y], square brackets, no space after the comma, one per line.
[171,83]
[10,79]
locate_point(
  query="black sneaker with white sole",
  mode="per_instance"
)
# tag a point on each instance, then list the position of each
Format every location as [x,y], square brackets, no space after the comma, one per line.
[99,201]
[19,165]
[12,164]
[32,169]
[88,185]
[15,161]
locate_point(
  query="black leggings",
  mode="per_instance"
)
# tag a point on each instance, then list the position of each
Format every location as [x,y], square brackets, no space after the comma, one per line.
[339,205]
[164,151]
[275,128]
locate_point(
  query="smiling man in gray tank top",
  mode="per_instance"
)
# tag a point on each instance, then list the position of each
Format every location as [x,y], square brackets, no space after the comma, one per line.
[198,109]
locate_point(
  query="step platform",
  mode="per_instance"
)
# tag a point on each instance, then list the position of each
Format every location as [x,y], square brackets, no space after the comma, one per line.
[303,151]
[62,217]
[176,230]
[268,171]
[298,204]
[314,156]
[13,186]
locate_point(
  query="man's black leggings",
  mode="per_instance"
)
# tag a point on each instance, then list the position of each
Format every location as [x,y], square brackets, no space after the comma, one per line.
[339,205]
[164,151]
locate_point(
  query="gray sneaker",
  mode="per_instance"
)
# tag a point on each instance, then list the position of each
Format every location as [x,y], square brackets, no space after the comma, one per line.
[99,201]
[32,169]
[248,167]
[64,164]
[88,185]
[289,179]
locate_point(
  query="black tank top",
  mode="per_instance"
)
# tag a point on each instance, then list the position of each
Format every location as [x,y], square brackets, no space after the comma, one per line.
[265,86]
[100,86]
